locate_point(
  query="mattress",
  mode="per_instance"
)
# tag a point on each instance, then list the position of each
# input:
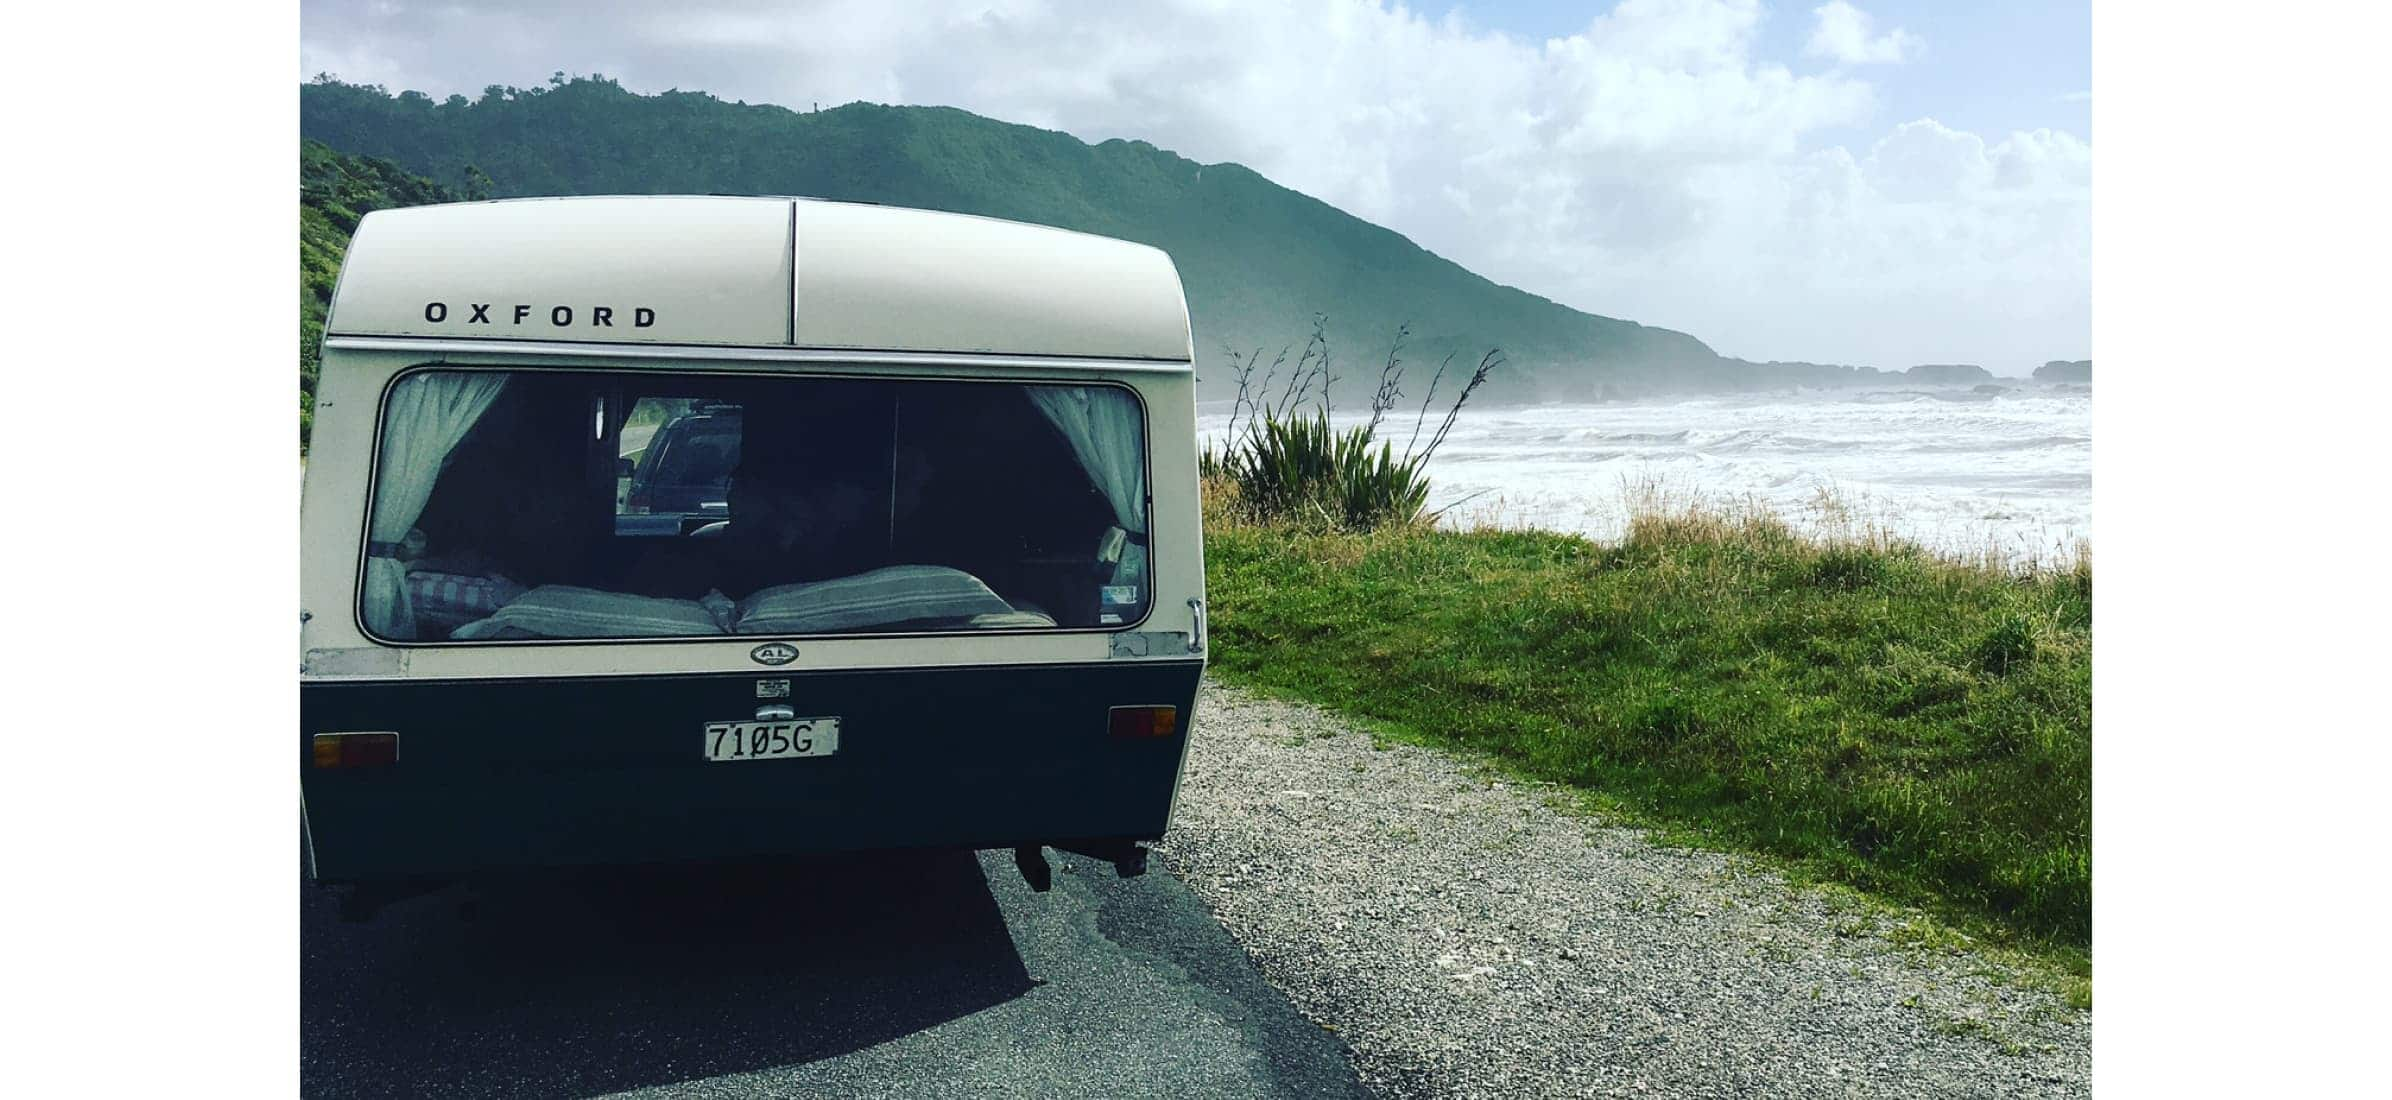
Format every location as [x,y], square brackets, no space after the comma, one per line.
[899,597]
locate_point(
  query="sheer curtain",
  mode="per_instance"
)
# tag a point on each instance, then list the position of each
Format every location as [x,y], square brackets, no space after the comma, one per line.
[428,414]
[1103,427]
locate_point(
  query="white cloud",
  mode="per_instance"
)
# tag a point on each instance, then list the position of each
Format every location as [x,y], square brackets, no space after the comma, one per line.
[1651,166]
[1846,35]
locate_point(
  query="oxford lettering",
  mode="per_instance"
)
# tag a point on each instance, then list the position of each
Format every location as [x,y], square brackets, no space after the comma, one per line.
[528,315]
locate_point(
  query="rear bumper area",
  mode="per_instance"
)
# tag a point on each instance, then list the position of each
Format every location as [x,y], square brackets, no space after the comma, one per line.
[496,774]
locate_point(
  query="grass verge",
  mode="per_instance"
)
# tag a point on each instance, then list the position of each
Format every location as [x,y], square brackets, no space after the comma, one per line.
[1865,711]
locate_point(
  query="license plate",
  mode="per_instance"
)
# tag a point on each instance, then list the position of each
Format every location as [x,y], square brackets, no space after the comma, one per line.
[774,740]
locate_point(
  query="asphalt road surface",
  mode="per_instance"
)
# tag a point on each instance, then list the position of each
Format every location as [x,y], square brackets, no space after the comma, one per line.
[913,975]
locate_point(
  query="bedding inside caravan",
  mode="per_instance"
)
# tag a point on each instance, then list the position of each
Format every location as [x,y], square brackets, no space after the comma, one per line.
[529,505]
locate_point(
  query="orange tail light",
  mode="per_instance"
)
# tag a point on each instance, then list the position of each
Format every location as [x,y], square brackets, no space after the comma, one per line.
[1145,721]
[354,750]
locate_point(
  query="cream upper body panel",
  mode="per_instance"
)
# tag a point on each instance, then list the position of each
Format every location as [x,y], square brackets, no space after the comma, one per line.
[756,272]
[979,285]
[652,270]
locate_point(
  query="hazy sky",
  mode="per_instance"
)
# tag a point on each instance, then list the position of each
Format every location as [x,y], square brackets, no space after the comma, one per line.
[1865,182]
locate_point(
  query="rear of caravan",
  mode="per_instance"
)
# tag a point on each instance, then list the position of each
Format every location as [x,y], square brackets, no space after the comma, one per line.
[670,529]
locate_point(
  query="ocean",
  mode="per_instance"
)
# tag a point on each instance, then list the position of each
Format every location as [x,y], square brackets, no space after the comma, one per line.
[1954,468]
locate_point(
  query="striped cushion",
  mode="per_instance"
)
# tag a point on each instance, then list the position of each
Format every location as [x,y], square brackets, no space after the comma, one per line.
[881,598]
[446,600]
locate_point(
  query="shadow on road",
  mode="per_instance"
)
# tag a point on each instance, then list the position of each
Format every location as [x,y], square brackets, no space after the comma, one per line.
[595,982]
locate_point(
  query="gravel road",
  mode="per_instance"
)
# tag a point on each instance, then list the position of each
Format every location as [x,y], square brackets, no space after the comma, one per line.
[1466,938]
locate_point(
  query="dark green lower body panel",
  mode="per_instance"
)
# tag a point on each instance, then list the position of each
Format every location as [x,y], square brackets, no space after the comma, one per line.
[496,774]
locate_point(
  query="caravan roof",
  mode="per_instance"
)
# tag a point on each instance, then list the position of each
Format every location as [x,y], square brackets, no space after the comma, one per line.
[756,272]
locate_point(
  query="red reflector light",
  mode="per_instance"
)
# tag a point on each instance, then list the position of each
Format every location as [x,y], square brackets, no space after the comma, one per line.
[354,750]
[1145,721]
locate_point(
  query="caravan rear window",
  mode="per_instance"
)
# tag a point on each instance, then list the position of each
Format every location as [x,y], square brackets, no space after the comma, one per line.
[529,505]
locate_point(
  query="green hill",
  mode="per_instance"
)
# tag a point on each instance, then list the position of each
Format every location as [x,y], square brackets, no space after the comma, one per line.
[1257,259]
[334,191]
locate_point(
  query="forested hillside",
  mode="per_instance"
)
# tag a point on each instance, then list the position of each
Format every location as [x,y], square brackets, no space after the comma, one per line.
[1258,260]
[334,191]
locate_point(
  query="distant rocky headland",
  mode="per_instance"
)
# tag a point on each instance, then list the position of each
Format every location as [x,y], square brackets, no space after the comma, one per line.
[1948,374]
[1778,373]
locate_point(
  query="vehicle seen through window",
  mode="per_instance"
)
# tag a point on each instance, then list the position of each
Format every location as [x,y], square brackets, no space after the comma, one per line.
[525,505]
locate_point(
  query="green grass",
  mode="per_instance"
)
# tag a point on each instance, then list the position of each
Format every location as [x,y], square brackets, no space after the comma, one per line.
[1863,711]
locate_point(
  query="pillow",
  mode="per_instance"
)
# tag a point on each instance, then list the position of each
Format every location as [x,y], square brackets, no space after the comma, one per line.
[564,611]
[882,598]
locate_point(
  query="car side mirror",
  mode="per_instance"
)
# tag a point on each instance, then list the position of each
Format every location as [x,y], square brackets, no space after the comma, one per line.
[623,467]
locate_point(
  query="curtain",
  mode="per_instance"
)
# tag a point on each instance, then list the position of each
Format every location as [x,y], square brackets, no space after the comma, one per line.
[1103,428]
[428,414]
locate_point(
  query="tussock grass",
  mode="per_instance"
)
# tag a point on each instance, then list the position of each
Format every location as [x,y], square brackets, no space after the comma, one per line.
[1302,467]
[1914,723]
[1289,464]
